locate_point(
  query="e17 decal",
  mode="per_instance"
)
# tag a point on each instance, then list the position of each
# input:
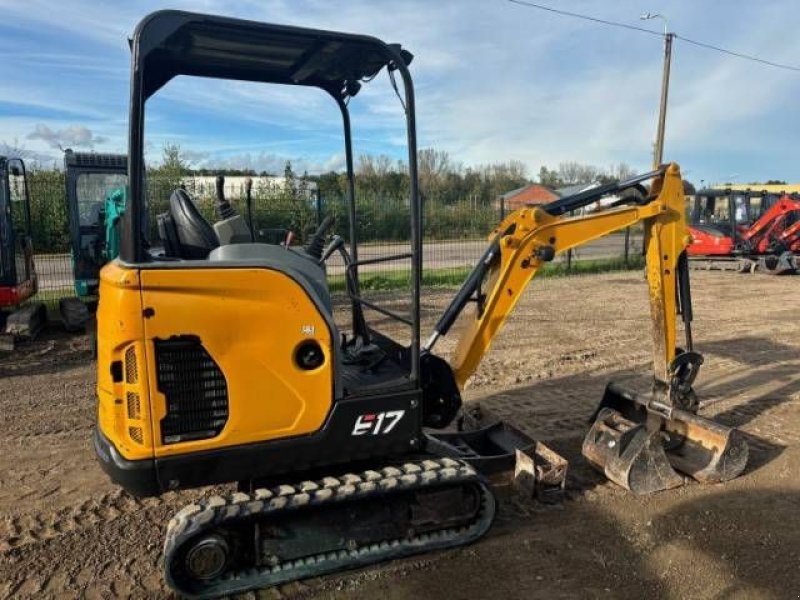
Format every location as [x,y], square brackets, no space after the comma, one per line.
[377,423]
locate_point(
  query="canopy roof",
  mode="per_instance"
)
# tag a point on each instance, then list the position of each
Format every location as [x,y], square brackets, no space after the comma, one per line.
[171,43]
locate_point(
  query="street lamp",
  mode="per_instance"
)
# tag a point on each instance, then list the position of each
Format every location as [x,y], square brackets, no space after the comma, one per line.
[648,16]
[658,152]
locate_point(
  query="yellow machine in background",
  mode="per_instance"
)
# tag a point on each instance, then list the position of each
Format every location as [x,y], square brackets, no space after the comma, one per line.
[219,360]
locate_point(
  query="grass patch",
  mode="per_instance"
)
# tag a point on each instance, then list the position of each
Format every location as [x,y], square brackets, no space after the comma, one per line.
[452,278]
[53,296]
[431,278]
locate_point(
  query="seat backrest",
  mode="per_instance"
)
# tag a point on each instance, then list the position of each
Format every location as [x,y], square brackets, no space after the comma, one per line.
[195,235]
[168,235]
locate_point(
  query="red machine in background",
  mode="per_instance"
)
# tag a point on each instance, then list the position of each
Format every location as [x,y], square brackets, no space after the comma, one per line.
[745,231]
[19,317]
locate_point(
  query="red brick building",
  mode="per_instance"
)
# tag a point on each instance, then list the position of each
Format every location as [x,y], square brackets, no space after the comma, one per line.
[530,195]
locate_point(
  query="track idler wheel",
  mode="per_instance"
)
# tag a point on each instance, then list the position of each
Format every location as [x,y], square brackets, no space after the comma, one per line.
[644,452]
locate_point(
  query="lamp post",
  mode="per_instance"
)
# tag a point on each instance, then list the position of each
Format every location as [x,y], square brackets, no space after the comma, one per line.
[658,150]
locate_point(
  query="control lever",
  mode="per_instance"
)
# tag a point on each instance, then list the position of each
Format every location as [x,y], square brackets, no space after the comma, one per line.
[336,242]
[317,241]
[223,207]
[230,227]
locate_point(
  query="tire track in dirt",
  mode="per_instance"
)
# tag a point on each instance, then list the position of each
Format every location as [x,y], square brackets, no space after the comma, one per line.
[23,529]
[113,558]
[54,423]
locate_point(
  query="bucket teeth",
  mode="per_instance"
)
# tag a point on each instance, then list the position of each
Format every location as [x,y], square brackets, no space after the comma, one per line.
[644,459]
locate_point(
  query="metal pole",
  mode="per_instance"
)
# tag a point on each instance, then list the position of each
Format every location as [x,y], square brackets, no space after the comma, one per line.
[248,197]
[569,252]
[658,153]
[627,244]
[318,206]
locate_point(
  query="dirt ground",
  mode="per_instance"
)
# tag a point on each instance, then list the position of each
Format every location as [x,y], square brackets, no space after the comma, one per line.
[66,532]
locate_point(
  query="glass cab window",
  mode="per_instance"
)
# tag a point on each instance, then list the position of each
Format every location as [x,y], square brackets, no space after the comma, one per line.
[18,196]
[92,189]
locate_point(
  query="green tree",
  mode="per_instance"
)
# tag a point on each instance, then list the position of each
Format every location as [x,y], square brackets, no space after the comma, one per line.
[549,178]
[173,168]
[296,201]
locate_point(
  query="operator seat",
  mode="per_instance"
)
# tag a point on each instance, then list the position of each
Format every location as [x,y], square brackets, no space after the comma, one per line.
[184,231]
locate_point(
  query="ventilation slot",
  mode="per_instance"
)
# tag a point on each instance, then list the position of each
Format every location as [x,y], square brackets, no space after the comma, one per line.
[134,406]
[131,370]
[136,434]
[195,389]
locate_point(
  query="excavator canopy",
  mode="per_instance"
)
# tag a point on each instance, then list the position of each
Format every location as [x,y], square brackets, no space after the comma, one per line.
[174,43]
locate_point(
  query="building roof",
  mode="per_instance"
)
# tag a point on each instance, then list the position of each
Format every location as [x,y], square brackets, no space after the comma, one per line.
[532,194]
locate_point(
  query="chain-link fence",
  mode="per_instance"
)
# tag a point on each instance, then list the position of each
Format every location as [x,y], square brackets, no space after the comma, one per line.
[454,234]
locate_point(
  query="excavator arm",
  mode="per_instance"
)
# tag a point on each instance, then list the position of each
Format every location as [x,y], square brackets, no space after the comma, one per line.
[530,237]
[771,225]
[636,439]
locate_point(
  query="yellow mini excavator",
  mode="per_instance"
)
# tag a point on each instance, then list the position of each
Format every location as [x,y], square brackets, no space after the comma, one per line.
[219,360]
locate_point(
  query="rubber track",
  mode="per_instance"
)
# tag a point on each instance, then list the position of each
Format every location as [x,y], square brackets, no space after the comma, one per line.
[213,512]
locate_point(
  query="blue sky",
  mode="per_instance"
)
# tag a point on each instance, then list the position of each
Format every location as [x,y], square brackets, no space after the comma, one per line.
[495,81]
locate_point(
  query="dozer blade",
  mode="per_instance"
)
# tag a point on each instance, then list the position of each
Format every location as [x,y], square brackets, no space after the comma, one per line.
[782,264]
[26,322]
[641,450]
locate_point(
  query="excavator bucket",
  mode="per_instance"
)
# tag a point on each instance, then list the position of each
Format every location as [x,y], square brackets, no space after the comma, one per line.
[646,452]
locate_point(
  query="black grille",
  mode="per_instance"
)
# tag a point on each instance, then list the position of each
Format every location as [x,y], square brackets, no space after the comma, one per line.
[96,160]
[195,388]
[131,369]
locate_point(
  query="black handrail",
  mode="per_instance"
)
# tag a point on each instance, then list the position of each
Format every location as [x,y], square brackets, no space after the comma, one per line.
[356,297]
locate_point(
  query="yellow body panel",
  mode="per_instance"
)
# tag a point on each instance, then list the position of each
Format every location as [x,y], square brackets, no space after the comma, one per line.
[120,330]
[250,321]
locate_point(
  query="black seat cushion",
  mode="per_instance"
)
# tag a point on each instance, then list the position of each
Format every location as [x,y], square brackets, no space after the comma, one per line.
[197,238]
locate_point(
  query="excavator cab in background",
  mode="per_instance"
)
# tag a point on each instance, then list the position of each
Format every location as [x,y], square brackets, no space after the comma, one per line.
[745,231]
[95,193]
[220,360]
[95,186]
[18,280]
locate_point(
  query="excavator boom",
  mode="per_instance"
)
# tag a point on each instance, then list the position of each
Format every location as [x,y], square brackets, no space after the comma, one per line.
[633,427]
[530,237]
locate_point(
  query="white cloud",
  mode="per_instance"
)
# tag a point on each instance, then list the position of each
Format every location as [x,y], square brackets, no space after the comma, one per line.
[74,136]
[494,81]
[274,164]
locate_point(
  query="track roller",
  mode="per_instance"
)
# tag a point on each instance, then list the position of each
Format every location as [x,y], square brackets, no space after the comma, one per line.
[222,546]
